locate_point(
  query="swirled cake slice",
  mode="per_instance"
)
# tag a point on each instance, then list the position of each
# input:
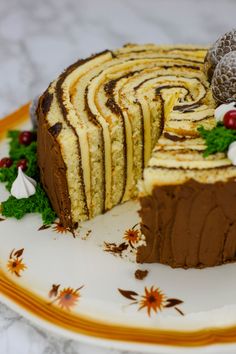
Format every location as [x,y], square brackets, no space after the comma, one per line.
[127,118]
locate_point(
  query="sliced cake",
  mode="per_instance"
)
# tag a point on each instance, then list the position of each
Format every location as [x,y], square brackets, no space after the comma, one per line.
[123,124]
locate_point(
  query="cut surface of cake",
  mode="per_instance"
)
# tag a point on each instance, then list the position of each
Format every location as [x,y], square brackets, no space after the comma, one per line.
[123,124]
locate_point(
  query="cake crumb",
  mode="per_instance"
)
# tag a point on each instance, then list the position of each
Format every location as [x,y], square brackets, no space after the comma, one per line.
[114,248]
[140,274]
[86,236]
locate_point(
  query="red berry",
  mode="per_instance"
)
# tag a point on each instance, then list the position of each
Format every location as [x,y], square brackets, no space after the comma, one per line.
[230,119]
[26,138]
[23,164]
[6,162]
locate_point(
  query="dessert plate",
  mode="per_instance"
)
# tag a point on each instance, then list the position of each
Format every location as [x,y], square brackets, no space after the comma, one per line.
[87,287]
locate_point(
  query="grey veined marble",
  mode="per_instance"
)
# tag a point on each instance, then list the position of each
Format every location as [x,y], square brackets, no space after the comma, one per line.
[19,336]
[38,39]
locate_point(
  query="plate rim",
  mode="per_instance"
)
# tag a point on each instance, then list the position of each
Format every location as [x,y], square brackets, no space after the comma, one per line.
[96,331]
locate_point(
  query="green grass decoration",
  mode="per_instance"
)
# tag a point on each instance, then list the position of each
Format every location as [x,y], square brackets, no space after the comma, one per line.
[217,139]
[37,203]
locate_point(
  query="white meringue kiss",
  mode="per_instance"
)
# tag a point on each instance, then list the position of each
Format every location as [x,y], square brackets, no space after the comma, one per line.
[222,109]
[232,153]
[23,186]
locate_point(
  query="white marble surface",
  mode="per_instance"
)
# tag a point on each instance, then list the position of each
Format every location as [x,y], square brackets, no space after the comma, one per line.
[40,38]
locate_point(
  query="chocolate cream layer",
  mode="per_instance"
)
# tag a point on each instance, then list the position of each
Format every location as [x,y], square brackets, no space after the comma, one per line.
[189,225]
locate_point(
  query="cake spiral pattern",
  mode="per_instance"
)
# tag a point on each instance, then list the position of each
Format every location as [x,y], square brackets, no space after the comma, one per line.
[122,122]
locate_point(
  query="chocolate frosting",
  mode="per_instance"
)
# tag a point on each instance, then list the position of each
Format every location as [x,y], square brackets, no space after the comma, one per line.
[52,167]
[189,225]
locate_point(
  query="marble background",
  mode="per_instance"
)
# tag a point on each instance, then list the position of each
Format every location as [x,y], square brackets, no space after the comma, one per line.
[40,38]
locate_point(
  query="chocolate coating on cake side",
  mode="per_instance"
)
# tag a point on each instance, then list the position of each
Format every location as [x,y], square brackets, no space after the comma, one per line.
[52,168]
[189,225]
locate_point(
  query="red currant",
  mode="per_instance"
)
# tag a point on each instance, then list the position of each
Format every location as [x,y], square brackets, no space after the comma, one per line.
[23,164]
[230,119]
[6,162]
[26,137]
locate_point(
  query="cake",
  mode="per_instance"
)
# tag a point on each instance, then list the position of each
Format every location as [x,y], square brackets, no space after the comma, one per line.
[124,124]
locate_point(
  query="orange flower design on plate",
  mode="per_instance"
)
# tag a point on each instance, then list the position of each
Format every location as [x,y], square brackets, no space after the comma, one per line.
[15,263]
[67,298]
[132,236]
[152,300]
[130,242]
[59,228]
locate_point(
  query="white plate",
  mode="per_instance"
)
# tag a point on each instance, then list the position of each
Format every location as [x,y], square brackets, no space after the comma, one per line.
[71,285]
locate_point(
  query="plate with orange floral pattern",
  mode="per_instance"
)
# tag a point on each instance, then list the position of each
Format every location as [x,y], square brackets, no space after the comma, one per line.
[89,287]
